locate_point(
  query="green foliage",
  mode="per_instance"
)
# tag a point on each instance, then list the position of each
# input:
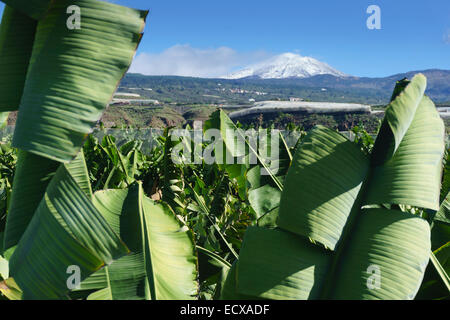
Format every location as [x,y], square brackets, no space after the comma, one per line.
[363,139]
[160,246]
[111,166]
[8,159]
[333,222]
[139,224]
[211,205]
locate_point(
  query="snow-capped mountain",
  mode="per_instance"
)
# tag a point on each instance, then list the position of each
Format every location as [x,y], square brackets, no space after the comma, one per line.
[287,65]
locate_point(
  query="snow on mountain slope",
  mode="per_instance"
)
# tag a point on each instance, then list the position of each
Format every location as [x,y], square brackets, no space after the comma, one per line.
[287,65]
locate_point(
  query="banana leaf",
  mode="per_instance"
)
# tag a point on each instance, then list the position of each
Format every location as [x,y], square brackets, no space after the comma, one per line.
[17,33]
[163,262]
[235,151]
[263,194]
[65,231]
[73,75]
[334,225]
[436,283]
[35,9]
[32,176]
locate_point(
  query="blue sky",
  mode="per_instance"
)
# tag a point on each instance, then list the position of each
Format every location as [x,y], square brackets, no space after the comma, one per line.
[210,37]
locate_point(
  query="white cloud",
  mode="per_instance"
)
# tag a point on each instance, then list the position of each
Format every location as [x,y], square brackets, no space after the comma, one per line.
[184,60]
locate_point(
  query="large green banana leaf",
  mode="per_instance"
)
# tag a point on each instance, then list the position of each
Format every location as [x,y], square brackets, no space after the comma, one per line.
[16,42]
[232,143]
[228,147]
[73,75]
[162,264]
[66,230]
[79,172]
[334,229]
[35,9]
[325,177]
[32,176]
[416,165]
[264,195]
[228,285]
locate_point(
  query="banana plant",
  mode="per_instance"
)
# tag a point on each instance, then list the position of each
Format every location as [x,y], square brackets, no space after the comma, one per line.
[440,239]
[71,74]
[114,167]
[35,9]
[263,194]
[61,81]
[163,262]
[66,230]
[262,190]
[61,98]
[436,283]
[340,232]
[154,245]
[240,147]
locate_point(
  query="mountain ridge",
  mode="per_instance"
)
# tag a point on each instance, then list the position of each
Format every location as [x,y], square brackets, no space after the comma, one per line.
[338,89]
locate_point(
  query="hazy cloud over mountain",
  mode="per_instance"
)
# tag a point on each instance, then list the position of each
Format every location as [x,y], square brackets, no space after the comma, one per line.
[184,60]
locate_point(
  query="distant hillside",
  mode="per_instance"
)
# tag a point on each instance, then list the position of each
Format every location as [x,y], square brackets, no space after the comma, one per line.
[438,83]
[186,90]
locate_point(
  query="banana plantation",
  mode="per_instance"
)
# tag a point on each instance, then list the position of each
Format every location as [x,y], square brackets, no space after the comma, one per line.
[93,218]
